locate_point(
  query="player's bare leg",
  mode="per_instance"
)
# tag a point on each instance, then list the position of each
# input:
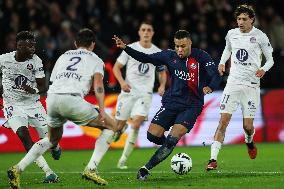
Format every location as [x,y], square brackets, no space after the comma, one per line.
[35,152]
[24,136]
[101,147]
[218,140]
[249,133]
[131,140]
[121,127]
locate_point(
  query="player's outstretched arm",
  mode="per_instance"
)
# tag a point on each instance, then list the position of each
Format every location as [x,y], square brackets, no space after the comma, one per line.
[139,56]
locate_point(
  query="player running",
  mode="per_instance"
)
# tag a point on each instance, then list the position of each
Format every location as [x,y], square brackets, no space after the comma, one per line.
[245,46]
[193,74]
[72,77]
[23,79]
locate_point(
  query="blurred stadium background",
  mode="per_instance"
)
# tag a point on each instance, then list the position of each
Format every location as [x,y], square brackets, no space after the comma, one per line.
[56,21]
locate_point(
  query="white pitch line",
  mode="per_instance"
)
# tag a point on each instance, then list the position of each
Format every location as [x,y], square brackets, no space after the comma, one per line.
[163,172]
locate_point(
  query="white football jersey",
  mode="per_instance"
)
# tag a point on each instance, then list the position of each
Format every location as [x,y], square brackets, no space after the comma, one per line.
[16,74]
[73,72]
[139,76]
[246,55]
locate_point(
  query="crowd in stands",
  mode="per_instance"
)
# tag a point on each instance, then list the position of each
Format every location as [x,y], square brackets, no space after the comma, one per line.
[56,21]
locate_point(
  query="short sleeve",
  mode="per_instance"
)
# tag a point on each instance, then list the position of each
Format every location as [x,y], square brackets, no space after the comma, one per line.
[39,71]
[123,58]
[97,63]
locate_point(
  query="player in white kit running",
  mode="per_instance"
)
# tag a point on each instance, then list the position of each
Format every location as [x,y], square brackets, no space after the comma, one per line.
[245,46]
[135,98]
[72,77]
[23,78]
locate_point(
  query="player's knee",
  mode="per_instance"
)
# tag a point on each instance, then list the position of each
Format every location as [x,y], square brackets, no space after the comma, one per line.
[155,139]
[46,143]
[24,136]
[248,128]
[171,141]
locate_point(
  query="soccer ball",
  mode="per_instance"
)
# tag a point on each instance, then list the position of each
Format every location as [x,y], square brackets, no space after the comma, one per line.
[181,163]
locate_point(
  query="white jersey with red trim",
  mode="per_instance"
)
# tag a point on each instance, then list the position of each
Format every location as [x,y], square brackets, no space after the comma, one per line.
[16,74]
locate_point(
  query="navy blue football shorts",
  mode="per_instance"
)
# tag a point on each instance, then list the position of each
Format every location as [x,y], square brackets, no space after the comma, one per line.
[168,116]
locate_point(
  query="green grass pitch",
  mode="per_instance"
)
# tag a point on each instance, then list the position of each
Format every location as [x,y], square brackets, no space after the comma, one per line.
[236,170]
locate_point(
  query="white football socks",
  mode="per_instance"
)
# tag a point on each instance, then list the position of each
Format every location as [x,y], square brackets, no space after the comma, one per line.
[41,163]
[101,147]
[249,138]
[215,147]
[35,152]
[129,145]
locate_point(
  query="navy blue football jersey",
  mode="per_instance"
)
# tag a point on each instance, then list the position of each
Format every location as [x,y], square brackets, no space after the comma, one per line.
[188,76]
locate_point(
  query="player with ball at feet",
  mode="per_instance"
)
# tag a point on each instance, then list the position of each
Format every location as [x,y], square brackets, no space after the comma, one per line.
[193,74]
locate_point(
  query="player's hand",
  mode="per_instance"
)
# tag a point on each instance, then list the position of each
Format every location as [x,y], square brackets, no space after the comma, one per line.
[119,43]
[29,89]
[260,73]
[125,87]
[161,90]
[207,90]
[221,69]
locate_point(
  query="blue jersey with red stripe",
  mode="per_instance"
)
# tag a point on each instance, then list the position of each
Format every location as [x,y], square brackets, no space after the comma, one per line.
[188,76]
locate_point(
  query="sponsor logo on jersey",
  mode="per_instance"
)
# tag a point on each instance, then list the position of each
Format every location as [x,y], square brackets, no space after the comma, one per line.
[19,81]
[30,66]
[184,75]
[252,40]
[242,55]
[143,68]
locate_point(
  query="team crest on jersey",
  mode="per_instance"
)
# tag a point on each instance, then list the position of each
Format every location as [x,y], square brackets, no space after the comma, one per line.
[252,40]
[30,66]
[193,66]
[222,106]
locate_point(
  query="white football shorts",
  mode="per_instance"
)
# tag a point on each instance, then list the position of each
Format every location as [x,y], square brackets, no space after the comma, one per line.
[63,107]
[18,116]
[245,96]
[129,105]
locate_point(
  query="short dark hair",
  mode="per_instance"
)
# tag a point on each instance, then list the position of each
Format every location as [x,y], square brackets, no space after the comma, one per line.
[85,37]
[180,34]
[246,9]
[148,22]
[24,35]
